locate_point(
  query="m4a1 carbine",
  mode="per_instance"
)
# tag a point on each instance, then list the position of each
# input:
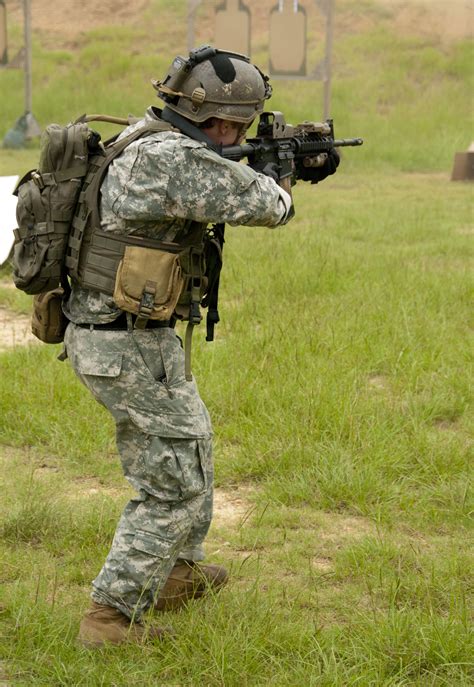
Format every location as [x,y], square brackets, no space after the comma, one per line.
[286,153]
[291,150]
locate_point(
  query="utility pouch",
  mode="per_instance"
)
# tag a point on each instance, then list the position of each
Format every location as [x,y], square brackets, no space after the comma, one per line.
[48,322]
[148,283]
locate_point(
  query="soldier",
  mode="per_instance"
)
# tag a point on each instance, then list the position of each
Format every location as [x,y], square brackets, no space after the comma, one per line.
[161,188]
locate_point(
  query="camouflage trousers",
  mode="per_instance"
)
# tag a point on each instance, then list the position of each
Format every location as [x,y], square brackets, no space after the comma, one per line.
[163,435]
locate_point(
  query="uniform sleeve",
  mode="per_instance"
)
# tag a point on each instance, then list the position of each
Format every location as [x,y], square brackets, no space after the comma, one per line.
[181,178]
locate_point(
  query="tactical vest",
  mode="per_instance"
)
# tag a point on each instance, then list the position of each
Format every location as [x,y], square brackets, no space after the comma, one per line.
[175,283]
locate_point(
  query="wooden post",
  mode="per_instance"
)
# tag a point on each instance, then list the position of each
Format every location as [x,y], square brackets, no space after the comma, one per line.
[3,33]
[28,74]
[192,9]
[328,63]
[32,127]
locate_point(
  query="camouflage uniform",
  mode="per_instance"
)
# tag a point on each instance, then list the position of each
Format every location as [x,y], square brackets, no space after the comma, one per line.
[163,430]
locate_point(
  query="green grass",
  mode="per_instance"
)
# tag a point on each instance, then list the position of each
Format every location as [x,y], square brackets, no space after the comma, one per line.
[10,297]
[316,598]
[340,389]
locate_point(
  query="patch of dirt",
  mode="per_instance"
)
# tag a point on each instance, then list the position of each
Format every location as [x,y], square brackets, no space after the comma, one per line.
[378,382]
[338,527]
[447,20]
[87,487]
[61,23]
[3,675]
[230,506]
[432,19]
[334,532]
[322,564]
[71,18]
[15,330]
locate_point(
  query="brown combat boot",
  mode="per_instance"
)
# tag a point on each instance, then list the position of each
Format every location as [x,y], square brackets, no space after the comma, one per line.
[107,625]
[187,581]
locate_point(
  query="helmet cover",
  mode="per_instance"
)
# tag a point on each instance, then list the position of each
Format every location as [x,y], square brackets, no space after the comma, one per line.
[221,84]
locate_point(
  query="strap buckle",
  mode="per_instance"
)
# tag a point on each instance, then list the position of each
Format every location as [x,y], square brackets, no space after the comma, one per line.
[38,179]
[195,316]
[147,303]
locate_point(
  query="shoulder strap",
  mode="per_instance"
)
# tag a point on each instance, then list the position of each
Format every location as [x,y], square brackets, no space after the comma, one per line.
[187,127]
[105,118]
[111,152]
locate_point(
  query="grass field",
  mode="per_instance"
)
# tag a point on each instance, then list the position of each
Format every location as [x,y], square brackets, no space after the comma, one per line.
[340,386]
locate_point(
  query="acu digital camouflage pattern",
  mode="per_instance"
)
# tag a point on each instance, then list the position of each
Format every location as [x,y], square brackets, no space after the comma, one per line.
[153,189]
[162,181]
[164,440]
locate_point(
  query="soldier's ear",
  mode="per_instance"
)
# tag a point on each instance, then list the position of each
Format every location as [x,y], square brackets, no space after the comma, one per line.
[224,126]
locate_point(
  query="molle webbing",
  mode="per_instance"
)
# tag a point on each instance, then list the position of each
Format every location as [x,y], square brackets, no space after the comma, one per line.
[87,218]
[104,253]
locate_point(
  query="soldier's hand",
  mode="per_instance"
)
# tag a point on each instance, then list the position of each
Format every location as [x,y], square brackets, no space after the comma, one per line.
[269,169]
[316,174]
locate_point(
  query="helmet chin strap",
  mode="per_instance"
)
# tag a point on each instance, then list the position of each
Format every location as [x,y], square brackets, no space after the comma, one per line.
[188,128]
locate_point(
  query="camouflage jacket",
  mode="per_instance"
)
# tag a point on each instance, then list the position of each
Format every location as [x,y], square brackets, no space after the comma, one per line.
[162,181]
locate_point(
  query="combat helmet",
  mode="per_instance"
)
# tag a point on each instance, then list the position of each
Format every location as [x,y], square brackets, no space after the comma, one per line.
[214,83]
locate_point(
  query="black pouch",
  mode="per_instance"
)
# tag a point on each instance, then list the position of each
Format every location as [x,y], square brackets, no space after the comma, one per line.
[48,322]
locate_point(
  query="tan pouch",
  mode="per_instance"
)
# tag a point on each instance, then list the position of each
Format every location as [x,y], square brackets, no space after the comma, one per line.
[48,323]
[148,283]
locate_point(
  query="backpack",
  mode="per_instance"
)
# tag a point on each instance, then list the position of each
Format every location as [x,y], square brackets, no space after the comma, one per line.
[47,199]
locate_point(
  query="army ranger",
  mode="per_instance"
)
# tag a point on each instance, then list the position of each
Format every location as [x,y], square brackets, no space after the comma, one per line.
[165,187]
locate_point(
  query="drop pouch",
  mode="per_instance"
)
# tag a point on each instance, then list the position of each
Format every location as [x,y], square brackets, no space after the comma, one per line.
[48,322]
[148,283]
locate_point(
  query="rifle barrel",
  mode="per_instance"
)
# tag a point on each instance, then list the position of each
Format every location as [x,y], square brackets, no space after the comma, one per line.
[343,142]
[300,146]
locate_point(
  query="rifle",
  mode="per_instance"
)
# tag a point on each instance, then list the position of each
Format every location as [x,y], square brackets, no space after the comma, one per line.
[291,148]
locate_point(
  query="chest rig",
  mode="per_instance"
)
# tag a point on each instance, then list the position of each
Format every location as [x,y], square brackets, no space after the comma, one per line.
[150,278]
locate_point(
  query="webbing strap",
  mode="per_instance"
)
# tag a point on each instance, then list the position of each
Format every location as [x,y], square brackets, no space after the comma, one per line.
[105,239]
[187,352]
[53,178]
[74,243]
[186,127]
[102,262]
[102,118]
[70,144]
[100,283]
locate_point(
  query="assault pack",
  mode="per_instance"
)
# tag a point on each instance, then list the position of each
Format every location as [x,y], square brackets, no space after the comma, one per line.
[59,235]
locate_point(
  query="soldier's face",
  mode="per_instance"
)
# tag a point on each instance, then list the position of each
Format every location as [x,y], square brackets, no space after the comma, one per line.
[226,133]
